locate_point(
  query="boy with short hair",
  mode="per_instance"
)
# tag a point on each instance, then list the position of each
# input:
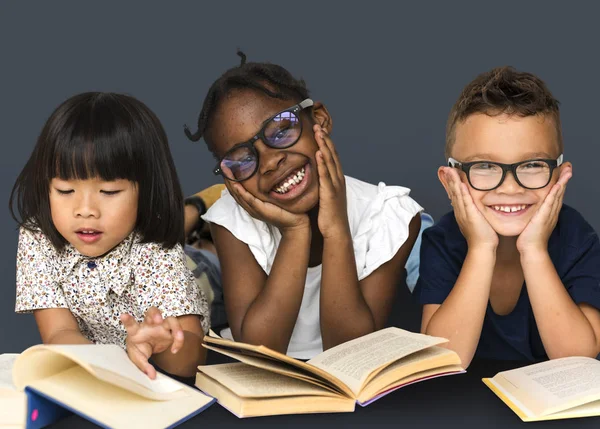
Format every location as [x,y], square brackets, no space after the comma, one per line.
[511,273]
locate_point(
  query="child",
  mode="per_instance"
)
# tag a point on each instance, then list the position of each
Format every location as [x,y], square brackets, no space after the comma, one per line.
[100,256]
[511,273]
[201,253]
[309,258]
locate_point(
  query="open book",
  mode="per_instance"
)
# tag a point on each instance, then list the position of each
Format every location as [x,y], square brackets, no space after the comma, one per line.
[362,370]
[12,401]
[97,382]
[557,389]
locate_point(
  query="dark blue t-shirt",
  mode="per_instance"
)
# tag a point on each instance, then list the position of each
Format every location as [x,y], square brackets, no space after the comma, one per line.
[574,249]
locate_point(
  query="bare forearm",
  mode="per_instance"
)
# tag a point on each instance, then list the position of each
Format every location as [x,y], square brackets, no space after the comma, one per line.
[191,219]
[460,317]
[271,318]
[185,362]
[564,329]
[67,336]
[344,313]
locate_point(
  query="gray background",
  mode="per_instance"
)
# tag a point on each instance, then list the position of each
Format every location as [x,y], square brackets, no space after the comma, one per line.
[389,73]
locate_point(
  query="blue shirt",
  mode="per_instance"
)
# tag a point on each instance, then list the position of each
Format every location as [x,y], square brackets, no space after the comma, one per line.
[412,264]
[574,249]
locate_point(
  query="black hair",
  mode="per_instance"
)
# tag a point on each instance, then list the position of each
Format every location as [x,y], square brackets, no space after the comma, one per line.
[108,136]
[270,79]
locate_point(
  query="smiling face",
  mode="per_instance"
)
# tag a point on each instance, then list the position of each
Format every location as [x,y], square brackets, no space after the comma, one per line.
[287,177]
[507,139]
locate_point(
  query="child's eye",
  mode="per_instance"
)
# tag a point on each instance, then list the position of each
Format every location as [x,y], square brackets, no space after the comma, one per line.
[533,165]
[281,134]
[64,192]
[110,192]
[483,166]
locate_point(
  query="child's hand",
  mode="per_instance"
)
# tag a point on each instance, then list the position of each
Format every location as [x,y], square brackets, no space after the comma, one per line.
[153,335]
[473,225]
[333,216]
[534,237]
[267,212]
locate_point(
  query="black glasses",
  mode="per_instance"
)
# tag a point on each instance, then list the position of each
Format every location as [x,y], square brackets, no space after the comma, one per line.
[487,175]
[280,131]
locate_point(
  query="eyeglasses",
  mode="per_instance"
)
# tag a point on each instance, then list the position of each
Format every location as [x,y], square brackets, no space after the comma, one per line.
[487,175]
[280,131]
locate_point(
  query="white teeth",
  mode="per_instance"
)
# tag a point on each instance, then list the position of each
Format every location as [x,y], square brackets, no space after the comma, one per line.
[294,180]
[509,209]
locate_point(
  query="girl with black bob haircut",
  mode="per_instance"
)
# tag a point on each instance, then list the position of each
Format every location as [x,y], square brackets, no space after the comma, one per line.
[310,258]
[100,257]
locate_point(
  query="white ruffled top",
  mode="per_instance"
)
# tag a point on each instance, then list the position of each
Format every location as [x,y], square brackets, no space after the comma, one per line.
[379,218]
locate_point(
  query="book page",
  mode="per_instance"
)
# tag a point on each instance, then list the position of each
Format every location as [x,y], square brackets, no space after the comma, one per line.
[279,368]
[431,359]
[553,386]
[109,363]
[115,407]
[13,409]
[354,361]
[7,361]
[224,346]
[251,382]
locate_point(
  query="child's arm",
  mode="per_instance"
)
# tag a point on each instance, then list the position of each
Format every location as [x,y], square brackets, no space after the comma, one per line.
[349,308]
[566,329]
[58,326]
[192,213]
[176,313]
[460,317]
[263,309]
[173,343]
[38,290]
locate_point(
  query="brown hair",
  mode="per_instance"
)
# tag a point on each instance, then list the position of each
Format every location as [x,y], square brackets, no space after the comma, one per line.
[503,90]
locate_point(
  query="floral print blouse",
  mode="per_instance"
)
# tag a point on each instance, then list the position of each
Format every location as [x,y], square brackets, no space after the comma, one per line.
[129,279]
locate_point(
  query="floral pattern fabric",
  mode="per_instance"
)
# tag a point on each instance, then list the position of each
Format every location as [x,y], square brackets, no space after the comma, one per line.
[129,279]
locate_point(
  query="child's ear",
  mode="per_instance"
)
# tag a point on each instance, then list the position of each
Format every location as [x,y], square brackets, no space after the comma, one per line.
[443,177]
[565,165]
[322,117]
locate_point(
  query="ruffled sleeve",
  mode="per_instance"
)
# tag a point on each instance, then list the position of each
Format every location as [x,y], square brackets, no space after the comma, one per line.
[261,238]
[379,217]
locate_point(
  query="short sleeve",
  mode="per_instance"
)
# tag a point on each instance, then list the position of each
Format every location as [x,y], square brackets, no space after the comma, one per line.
[383,227]
[37,273]
[262,239]
[440,266]
[583,278]
[163,280]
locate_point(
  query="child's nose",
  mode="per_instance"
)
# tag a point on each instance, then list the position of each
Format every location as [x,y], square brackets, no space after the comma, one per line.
[270,158]
[510,185]
[86,207]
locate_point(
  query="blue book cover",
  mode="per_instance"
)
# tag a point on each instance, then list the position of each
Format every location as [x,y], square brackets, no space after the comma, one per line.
[42,411]
[100,384]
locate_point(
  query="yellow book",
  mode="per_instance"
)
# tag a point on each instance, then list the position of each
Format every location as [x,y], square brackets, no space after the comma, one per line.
[557,389]
[97,382]
[363,370]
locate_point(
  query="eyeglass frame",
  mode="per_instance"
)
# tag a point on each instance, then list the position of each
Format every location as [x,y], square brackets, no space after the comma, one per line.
[466,167]
[296,109]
